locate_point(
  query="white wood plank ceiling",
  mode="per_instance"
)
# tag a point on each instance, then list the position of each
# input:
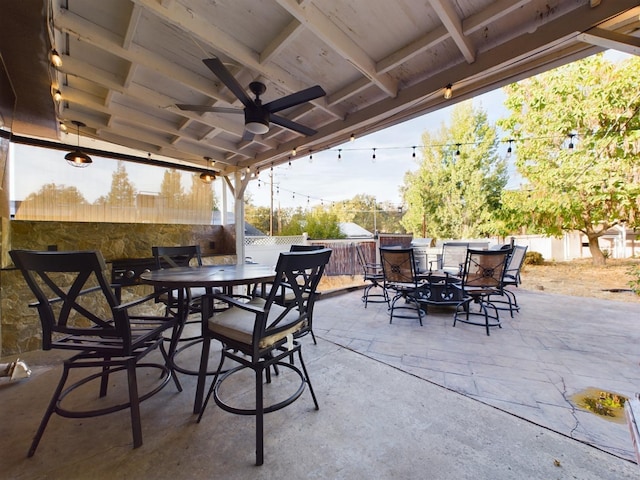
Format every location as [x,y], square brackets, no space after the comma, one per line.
[127,63]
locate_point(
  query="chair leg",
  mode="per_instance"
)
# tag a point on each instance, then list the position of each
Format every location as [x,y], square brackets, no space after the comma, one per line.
[50,409]
[211,389]
[134,401]
[104,381]
[259,418]
[169,364]
[307,379]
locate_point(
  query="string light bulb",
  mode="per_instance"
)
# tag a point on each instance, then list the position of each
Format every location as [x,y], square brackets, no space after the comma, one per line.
[294,151]
[414,152]
[339,154]
[458,145]
[448,91]
[510,149]
[63,127]
[57,95]
[352,138]
[373,157]
[56,59]
[310,156]
[571,136]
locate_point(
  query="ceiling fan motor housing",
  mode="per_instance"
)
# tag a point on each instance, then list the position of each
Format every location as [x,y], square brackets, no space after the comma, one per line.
[255,116]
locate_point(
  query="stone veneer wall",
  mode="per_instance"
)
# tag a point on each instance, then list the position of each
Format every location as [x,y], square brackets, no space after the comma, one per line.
[20,325]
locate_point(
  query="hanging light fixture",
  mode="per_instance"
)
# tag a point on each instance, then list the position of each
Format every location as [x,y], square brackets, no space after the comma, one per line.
[448,91]
[208,176]
[78,158]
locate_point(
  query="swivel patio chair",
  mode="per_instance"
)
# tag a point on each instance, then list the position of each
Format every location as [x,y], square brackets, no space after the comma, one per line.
[179,256]
[286,295]
[79,312]
[398,267]
[452,259]
[482,277]
[511,278]
[260,334]
[372,273]
[182,303]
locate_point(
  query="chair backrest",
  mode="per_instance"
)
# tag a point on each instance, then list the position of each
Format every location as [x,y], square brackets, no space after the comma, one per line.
[181,256]
[398,265]
[484,269]
[514,264]
[305,248]
[73,297]
[301,273]
[453,256]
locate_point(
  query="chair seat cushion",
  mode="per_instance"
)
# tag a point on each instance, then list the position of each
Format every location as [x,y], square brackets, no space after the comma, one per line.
[238,324]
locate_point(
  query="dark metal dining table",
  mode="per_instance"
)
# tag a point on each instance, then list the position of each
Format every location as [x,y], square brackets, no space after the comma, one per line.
[207,276]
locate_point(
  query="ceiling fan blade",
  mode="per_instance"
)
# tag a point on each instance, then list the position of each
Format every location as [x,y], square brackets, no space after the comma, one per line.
[294,99]
[220,71]
[205,108]
[291,125]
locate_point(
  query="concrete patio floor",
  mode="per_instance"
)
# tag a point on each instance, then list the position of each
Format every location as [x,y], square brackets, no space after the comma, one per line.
[396,401]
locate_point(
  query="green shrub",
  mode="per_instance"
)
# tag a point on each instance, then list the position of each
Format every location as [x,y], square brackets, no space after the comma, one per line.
[635,283]
[533,258]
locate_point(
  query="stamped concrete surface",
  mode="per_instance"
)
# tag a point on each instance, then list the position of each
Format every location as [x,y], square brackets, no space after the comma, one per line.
[555,347]
[396,401]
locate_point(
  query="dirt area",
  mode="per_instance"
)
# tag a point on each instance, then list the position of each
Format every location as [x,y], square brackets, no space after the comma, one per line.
[576,278]
[580,278]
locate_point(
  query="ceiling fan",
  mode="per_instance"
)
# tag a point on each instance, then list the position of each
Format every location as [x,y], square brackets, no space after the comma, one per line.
[256,115]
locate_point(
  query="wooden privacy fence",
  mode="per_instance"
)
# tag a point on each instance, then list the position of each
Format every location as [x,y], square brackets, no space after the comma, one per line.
[344,260]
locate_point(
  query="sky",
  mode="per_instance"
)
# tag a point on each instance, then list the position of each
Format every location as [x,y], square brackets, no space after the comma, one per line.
[325,179]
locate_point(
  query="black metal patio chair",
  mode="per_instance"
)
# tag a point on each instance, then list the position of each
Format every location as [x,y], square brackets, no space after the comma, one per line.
[260,334]
[511,279]
[79,312]
[400,277]
[482,277]
[373,274]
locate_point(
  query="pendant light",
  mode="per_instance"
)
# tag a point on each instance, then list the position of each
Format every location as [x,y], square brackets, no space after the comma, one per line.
[208,176]
[78,158]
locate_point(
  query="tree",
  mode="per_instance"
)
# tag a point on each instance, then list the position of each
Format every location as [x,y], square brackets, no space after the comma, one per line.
[257,216]
[322,224]
[171,190]
[57,195]
[67,201]
[200,200]
[575,131]
[123,192]
[363,210]
[455,193]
